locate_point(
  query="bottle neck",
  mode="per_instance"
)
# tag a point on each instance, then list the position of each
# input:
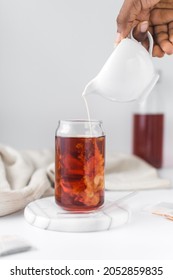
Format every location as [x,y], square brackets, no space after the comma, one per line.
[153,104]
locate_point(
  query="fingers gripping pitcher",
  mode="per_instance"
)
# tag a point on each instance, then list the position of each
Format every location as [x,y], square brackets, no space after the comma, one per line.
[79,165]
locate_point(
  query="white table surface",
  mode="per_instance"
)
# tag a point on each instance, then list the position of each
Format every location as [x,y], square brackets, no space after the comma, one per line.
[146,236]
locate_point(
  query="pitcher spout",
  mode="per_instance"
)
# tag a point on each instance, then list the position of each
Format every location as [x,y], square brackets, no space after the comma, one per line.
[90,88]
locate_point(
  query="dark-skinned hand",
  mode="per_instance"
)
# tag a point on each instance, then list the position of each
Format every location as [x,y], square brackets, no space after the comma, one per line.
[153,15]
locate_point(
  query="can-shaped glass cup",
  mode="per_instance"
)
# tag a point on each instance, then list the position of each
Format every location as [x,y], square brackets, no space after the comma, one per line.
[79,164]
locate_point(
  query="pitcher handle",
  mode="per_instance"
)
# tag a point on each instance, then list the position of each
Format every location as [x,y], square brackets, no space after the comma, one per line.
[150,39]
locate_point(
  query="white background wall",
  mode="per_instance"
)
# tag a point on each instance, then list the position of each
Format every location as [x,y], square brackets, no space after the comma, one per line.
[49,50]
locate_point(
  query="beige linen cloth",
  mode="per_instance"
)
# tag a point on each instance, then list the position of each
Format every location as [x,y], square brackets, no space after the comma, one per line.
[129,172]
[24,176]
[29,175]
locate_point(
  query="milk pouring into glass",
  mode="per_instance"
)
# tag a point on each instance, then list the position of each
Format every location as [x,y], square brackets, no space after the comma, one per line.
[127,75]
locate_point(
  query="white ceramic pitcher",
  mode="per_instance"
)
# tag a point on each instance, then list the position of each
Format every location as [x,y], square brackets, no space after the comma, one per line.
[127,75]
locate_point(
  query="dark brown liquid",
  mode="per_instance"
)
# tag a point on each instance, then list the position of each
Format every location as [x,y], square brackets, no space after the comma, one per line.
[79,172]
[148,137]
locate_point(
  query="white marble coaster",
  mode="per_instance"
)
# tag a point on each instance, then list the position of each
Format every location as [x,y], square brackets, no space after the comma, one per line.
[46,214]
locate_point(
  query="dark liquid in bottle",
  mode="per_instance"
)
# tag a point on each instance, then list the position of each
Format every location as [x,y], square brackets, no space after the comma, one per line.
[79,172]
[148,137]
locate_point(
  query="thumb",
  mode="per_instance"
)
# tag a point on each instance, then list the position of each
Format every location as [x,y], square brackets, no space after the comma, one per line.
[140,31]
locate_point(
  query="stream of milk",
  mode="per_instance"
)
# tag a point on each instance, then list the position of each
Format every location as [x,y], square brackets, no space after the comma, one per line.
[88,114]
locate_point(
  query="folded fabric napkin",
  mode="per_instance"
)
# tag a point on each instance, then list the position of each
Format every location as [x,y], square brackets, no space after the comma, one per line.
[129,172]
[29,175]
[24,177]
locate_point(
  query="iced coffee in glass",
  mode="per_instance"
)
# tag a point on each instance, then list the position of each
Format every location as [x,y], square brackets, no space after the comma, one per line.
[79,165]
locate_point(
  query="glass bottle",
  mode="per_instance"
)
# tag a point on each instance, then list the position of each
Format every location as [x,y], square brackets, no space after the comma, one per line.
[148,129]
[79,164]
